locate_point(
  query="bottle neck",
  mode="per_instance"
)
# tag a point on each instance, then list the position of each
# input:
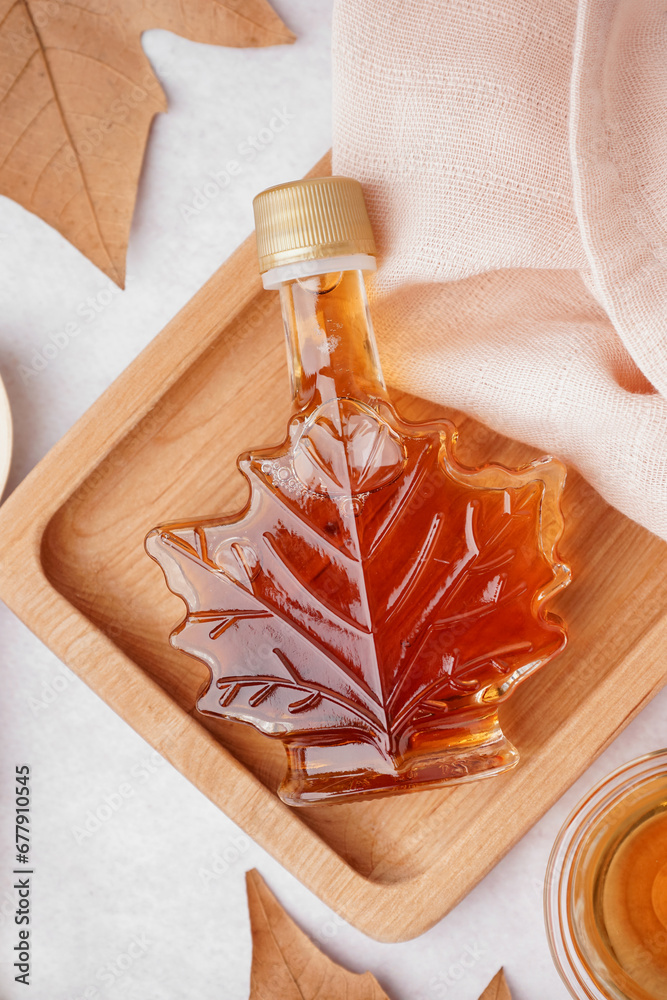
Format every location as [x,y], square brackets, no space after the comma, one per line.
[330,340]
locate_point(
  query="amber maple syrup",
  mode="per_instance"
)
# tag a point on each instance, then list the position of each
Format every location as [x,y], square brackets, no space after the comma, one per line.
[375,600]
[630,893]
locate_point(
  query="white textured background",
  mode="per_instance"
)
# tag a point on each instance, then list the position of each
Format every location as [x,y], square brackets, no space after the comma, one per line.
[139,886]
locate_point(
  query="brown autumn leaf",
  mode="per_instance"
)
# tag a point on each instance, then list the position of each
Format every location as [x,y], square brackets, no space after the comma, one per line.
[286,963]
[497,988]
[77,97]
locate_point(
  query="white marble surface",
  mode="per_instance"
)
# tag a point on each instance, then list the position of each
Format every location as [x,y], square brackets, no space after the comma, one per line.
[129,911]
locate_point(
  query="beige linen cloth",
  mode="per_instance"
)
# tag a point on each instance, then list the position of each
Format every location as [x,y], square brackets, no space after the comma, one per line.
[514,156]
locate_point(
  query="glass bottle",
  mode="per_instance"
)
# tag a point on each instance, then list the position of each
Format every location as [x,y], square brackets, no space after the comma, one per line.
[375,600]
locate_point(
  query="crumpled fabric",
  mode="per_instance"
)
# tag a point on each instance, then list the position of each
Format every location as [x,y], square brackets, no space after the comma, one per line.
[514,158]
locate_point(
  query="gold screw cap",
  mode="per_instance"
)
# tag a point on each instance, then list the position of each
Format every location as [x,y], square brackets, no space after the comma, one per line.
[311,219]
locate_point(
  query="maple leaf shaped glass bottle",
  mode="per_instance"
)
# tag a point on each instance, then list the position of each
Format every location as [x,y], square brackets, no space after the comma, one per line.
[375,600]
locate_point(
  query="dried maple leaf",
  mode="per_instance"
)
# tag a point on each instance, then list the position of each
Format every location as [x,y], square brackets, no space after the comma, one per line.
[377,609]
[286,963]
[497,988]
[77,96]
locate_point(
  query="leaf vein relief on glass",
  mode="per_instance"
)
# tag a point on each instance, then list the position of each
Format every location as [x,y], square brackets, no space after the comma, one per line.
[375,600]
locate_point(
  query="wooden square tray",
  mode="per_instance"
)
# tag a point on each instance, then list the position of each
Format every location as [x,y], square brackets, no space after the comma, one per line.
[161,443]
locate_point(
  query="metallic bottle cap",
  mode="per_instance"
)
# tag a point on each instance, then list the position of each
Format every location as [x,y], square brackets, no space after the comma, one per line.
[310,219]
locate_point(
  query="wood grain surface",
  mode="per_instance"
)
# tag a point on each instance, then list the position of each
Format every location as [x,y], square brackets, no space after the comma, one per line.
[161,443]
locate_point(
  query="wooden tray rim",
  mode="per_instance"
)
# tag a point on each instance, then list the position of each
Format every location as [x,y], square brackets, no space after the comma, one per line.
[378,908]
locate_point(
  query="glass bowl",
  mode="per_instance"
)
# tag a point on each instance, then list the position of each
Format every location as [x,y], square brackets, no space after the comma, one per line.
[605,893]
